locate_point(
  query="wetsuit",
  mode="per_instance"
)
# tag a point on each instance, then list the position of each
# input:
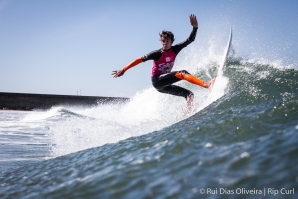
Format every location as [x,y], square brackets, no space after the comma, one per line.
[163,62]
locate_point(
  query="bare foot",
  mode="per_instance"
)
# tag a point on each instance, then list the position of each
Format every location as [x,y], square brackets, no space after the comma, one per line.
[210,84]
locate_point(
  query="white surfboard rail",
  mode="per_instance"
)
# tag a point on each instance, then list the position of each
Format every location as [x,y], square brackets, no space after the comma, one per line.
[221,82]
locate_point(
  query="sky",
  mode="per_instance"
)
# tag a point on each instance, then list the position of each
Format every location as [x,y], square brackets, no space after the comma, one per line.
[71,47]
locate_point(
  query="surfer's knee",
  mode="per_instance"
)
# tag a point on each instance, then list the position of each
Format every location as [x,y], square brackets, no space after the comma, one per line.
[181,74]
[184,72]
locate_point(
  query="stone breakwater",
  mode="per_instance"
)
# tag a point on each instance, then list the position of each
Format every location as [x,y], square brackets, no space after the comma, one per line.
[26,101]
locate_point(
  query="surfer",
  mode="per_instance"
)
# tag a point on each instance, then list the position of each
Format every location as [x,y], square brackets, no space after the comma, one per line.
[163,62]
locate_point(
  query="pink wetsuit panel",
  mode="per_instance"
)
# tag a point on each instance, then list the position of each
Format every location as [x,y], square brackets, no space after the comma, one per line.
[164,64]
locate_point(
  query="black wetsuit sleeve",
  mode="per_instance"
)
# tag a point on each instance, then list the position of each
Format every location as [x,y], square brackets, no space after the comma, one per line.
[154,55]
[178,47]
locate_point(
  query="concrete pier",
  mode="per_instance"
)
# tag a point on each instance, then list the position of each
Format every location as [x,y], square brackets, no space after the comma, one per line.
[26,101]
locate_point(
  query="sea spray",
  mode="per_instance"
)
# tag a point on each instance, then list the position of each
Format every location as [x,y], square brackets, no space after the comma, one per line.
[146,112]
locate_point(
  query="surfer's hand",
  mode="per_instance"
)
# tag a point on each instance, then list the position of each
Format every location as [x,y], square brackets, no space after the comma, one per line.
[118,73]
[193,20]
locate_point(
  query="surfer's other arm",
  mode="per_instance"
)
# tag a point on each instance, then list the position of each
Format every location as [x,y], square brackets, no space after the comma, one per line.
[118,73]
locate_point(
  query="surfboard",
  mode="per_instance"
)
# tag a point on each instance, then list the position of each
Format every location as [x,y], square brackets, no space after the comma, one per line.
[224,60]
[219,84]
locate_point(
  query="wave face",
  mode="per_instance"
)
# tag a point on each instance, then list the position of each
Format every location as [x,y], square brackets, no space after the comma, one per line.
[245,138]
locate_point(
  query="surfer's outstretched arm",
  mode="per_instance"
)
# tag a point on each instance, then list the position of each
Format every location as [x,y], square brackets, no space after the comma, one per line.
[118,73]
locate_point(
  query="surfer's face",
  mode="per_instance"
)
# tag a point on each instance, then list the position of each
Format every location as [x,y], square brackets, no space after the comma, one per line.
[166,43]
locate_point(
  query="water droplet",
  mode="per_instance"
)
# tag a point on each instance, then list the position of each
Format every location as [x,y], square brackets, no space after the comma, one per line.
[208,145]
[244,155]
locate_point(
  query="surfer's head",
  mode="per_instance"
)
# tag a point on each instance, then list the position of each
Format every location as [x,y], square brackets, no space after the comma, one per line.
[167,39]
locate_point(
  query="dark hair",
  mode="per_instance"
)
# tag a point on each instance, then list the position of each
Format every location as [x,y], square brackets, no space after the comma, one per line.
[168,34]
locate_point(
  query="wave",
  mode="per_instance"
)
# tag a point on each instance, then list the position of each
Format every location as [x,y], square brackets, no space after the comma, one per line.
[147,147]
[246,139]
[251,86]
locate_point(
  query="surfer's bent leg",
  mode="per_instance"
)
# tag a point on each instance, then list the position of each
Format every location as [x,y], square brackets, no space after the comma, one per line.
[190,78]
[163,83]
[176,90]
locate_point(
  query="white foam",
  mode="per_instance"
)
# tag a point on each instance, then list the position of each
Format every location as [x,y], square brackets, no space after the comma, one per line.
[146,112]
[275,63]
[41,115]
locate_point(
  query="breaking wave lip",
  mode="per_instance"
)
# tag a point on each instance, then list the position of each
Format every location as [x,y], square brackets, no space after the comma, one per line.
[277,63]
[41,115]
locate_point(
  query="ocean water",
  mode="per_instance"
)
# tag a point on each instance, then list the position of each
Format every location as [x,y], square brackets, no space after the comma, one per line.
[240,143]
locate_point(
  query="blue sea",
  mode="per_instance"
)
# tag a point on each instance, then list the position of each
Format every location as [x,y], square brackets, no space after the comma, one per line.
[239,141]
